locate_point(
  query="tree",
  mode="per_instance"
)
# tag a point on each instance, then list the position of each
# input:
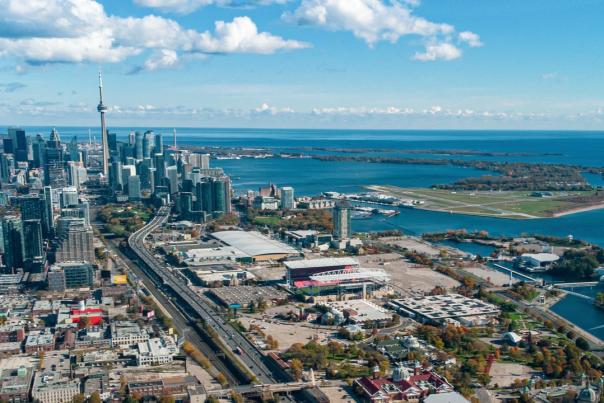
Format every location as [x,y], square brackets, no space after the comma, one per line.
[166,399]
[95,398]
[296,368]
[582,343]
[335,348]
[84,322]
[79,398]
[221,379]
[236,397]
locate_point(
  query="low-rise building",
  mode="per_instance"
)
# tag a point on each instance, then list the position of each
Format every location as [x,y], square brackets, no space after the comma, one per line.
[40,340]
[125,334]
[439,309]
[404,385]
[52,387]
[10,348]
[302,269]
[62,276]
[10,333]
[244,295]
[536,262]
[175,386]
[15,384]
[157,351]
[358,311]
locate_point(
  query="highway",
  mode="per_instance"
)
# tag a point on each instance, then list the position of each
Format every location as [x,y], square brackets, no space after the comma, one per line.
[251,356]
[181,322]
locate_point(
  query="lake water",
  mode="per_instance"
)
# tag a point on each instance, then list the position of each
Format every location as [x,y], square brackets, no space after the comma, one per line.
[311,177]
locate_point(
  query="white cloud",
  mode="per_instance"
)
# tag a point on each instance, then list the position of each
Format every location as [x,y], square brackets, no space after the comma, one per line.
[438,51]
[242,36]
[265,108]
[188,6]
[161,59]
[472,39]
[79,31]
[370,20]
[383,20]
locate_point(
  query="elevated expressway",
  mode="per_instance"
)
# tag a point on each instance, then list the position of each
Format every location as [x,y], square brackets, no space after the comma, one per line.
[199,308]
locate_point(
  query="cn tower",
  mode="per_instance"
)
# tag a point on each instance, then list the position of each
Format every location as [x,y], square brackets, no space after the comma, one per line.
[102,108]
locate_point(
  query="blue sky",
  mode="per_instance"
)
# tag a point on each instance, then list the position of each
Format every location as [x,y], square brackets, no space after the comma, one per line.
[304,63]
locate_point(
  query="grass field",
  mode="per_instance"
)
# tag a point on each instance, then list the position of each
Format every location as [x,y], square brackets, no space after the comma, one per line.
[267,220]
[505,204]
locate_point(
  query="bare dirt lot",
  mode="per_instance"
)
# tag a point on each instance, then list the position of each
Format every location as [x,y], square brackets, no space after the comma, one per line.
[504,374]
[286,333]
[340,394]
[496,277]
[268,273]
[414,244]
[406,275]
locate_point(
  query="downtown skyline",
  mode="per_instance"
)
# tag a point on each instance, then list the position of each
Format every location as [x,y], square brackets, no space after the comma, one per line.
[308,64]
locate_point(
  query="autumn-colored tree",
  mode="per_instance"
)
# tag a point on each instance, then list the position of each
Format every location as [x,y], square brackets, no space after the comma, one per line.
[84,322]
[95,397]
[296,368]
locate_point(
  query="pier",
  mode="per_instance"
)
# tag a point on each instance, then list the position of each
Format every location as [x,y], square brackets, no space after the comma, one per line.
[577,284]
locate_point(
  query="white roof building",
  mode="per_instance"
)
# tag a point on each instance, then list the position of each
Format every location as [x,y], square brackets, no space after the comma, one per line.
[540,259]
[156,351]
[323,262]
[255,245]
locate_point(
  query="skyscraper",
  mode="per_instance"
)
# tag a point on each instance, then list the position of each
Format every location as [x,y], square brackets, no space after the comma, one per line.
[172,175]
[138,145]
[102,108]
[74,243]
[69,197]
[54,162]
[134,188]
[199,160]
[287,197]
[32,234]
[12,234]
[148,144]
[47,212]
[219,196]
[31,207]
[341,221]
[39,151]
[19,143]
[116,176]
[159,144]
[112,141]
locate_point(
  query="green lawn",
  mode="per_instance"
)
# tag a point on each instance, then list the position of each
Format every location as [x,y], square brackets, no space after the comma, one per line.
[267,220]
[505,204]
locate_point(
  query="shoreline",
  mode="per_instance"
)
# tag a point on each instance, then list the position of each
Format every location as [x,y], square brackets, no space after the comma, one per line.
[577,210]
[578,329]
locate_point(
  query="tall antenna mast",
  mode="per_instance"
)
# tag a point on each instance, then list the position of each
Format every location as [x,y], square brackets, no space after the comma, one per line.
[174,135]
[102,108]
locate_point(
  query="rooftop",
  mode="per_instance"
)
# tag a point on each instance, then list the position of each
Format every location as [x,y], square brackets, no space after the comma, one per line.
[436,307]
[244,294]
[360,310]
[254,243]
[323,262]
[541,257]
